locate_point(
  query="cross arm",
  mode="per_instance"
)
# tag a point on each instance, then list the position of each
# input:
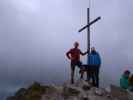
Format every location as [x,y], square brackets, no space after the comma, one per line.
[98,18]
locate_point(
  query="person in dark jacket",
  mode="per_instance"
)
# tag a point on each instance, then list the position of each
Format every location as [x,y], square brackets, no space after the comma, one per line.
[131,83]
[74,55]
[94,62]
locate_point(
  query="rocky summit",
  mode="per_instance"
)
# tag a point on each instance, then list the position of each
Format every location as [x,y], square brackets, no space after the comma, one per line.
[81,90]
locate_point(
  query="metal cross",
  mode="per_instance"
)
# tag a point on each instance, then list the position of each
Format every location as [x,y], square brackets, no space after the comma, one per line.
[88,27]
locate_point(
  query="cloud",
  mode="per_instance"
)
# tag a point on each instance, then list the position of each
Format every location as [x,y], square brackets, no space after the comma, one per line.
[35,35]
[29,6]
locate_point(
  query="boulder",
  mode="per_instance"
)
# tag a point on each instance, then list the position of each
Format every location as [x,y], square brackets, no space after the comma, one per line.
[119,93]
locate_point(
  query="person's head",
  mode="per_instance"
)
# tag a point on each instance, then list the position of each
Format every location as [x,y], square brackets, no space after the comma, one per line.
[126,73]
[76,44]
[93,50]
[131,77]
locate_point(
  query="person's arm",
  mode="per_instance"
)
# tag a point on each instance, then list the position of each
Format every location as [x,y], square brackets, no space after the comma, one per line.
[84,52]
[68,54]
[99,58]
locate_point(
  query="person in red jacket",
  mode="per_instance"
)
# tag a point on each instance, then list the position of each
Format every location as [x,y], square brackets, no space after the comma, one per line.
[74,55]
[131,83]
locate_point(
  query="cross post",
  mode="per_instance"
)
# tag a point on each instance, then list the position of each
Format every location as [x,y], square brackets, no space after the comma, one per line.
[88,29]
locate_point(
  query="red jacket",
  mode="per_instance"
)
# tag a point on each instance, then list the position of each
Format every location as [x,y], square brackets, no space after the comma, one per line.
[131,80]
[74,54]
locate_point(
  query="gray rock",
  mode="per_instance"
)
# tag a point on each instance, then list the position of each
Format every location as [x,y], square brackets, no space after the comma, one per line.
[119,93]
[81,90]
[99,92]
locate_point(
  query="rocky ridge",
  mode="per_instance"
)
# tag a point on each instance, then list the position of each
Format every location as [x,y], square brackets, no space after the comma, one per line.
[81,90]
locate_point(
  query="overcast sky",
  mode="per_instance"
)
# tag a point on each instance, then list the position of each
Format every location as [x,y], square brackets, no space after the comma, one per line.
[36,34]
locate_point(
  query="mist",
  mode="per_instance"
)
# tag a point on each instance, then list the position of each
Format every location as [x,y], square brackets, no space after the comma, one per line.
[36,34]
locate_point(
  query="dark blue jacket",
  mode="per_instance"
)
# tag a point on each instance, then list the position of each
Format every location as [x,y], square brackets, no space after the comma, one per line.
[94,59]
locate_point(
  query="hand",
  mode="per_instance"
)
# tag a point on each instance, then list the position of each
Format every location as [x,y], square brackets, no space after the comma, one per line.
[71,58]
[88,51]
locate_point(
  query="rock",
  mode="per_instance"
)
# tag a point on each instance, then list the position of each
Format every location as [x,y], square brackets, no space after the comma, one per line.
[108,89]
[119,93]
[130,96]
[81,90]
[85,98]
[86,87]
[99,92]
[33,92]
[71,91]
[81,83]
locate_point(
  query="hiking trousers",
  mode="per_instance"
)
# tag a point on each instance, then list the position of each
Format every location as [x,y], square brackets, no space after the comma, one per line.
[93,73]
